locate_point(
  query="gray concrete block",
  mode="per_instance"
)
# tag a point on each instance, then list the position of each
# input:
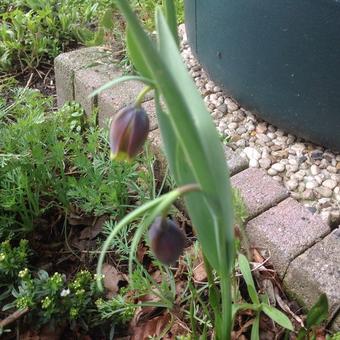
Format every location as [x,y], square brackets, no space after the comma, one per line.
[112,100]
[286,231]
[66,64]
[258,190]
[235,161]
[86,80]
[317,271]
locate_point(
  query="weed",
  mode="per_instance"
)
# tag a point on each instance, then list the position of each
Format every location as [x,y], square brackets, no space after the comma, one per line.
[57,160]
[32,31]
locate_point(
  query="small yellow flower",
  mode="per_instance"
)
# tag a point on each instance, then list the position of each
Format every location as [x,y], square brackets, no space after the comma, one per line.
[46,302]
[23,273]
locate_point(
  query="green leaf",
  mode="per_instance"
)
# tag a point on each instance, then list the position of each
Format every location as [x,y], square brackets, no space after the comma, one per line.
[248,278]
[135,56]
[198,143]
[253,295]
[277,316]
[302,334]
[107,19]
[255,330]
[85,35]
[170,14]
[99,37]
[318,313]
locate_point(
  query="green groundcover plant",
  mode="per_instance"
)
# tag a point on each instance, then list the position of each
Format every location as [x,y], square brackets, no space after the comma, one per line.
[33,32]
[55,161]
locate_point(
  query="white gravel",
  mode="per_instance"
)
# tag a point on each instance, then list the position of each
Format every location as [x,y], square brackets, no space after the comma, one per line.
[310,172]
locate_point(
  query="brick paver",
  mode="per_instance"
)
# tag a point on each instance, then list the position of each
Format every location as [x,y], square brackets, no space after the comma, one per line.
[317,271]
[286,230]
[235,161]
[258,190]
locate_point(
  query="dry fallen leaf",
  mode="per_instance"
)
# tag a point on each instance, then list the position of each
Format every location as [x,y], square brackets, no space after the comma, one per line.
[149,328]
[92,231]
[79,220]
[111,279]
[200,275]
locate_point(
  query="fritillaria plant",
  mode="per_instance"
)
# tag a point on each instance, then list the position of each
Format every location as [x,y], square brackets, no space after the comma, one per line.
[194,153]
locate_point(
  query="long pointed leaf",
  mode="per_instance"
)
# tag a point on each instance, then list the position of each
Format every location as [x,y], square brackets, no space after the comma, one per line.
[171,17]
[318,313]
[246,273]
[255,330]
[134,55]
[277,316]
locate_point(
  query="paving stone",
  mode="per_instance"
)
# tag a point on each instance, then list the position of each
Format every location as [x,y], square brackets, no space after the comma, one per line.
[258,190]
[317,271]
[235,161]
[66,64]
[286,231]
[335,325]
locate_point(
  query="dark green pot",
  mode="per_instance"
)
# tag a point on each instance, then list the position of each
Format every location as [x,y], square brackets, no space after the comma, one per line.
[278,58]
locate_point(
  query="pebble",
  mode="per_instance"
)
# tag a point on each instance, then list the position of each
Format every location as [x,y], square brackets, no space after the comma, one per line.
[254,163]
[252,153]
[316,155]
[312,209]
[311,185]
[261,128]
[302,159]
[232,126]
[301,187]
[278,167]
[298,147]
[314,170]
[332,169]
[231,105]
[300,175]
[222,108]
[335,216]
[324,192]
[308,195]
[272,172]
[241,130]
[292,184]
[265,163]
[329,183]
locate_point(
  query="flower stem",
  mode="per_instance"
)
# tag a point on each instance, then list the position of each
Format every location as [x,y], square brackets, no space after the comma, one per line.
[141,95]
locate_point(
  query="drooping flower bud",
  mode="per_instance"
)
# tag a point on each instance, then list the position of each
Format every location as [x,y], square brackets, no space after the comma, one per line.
[128,132]
[167,240]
